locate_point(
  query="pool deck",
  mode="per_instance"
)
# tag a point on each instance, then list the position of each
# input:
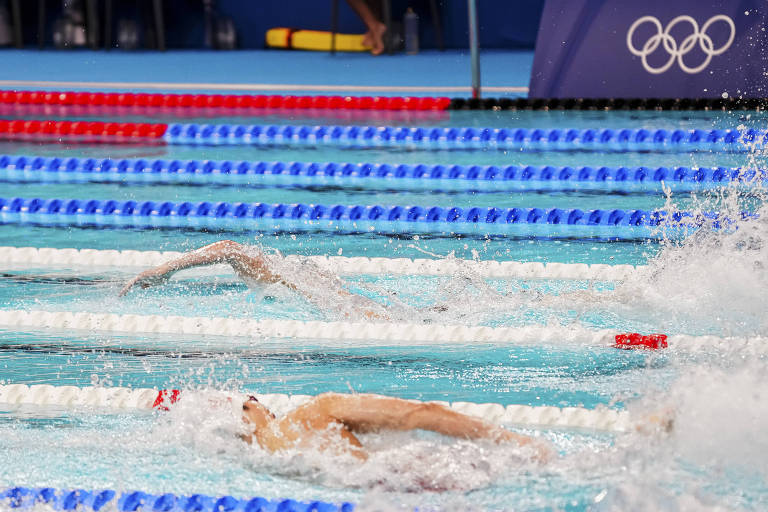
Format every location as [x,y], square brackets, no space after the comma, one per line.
[432,73]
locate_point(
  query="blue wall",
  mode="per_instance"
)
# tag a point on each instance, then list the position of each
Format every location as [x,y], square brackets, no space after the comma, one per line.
[503,23]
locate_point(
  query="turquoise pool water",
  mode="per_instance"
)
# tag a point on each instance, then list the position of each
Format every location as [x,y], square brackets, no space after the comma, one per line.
[692,292]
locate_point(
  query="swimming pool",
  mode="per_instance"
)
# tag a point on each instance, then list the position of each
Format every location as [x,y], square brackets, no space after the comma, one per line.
[712,285]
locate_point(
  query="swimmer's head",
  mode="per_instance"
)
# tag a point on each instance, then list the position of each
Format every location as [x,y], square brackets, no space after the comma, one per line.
[256,414]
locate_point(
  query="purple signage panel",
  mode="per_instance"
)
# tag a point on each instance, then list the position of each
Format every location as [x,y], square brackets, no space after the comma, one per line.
[652,49]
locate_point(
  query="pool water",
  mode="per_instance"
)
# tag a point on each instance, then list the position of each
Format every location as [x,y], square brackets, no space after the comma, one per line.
[713,283]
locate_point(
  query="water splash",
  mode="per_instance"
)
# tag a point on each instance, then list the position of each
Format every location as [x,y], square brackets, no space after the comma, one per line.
[401,462]
[720,416]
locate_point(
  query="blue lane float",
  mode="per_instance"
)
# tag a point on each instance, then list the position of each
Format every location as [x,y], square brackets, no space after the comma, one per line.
[80,499]
[21,169]
[467,138]
[224,216]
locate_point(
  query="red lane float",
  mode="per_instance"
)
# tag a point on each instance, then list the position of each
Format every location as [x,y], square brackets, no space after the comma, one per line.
[635,341]
[229,101]
[165,397]
[20,128]
[324,115]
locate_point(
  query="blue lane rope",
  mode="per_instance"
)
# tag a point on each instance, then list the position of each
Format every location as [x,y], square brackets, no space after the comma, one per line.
[354,218]
[466,138]
[428,177]
[80,499]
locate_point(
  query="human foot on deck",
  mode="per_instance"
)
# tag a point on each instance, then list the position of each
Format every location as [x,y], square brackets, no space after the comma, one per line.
[374,39]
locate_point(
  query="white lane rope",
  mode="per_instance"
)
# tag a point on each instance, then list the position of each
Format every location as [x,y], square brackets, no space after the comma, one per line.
[313,330]
[366,332]
[171,86]
[47,256]
[143,398]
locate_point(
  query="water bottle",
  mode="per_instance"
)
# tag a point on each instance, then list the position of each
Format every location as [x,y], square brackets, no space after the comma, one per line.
[411,23]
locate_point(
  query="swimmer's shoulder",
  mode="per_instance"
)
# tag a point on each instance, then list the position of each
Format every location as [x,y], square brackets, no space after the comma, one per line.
[318,406]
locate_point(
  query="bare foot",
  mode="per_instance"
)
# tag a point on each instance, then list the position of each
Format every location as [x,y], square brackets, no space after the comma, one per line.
[543,451]
[374,39]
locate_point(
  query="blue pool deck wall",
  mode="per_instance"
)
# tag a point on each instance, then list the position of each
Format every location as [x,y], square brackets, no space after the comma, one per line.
[427,69]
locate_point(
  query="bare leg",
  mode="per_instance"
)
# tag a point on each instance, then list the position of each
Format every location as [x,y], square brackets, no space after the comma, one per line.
[375,35]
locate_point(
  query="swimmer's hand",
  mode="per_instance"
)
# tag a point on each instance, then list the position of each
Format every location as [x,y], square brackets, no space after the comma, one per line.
[659,422]
[542,450]
[367,314]
[372,315]
[151,277]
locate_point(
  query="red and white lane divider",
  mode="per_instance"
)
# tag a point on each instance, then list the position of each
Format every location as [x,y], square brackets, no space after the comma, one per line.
[367,332]
[46,256]
[142,398]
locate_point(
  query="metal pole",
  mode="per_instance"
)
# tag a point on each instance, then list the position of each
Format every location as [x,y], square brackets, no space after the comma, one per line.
[474,48]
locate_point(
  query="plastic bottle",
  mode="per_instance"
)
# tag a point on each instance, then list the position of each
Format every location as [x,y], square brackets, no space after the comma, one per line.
[411,25]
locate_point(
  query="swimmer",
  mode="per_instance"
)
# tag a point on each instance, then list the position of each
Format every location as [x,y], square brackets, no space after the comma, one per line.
[330,421]
[253,267]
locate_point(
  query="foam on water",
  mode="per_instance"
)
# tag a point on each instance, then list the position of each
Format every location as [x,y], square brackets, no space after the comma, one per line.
[714,279]
[464,298]
[719,415]
[714,457]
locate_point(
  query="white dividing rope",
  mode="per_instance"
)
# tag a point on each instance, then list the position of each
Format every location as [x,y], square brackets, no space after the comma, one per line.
[71,396]
[280,88]
[377,332]
[314,330]
[47,256]
[143,398]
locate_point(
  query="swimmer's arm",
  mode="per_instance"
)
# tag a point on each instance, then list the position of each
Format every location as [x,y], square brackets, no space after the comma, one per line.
[226,251]
[372,412]
[312,417]
[354,447]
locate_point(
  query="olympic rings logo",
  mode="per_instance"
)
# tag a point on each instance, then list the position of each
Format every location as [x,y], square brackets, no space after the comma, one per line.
[675,51]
